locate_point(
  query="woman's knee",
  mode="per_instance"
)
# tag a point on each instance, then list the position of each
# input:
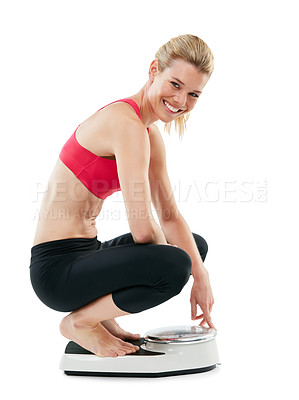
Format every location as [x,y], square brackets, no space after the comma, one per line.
[201,244]
[175,266]
[181,274]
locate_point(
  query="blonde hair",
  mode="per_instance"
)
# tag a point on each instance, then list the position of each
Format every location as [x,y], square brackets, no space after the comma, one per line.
[189,48]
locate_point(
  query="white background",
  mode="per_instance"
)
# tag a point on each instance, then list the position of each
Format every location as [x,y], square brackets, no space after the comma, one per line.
[235,176]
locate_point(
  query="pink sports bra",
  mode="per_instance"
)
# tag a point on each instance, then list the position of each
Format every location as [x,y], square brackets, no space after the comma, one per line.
[96,173]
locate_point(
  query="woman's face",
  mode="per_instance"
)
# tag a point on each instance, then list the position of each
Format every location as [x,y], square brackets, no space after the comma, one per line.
[174,91]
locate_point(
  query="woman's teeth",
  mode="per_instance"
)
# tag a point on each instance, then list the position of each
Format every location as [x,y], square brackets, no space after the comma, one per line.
[169,106]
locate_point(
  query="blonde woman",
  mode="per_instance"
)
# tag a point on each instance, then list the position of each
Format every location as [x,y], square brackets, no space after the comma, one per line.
[119,147]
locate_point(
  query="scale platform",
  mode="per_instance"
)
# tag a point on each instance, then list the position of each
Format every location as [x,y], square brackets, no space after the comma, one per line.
[167,351]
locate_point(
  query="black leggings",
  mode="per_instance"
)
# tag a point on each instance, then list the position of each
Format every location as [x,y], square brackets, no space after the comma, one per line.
[67,274]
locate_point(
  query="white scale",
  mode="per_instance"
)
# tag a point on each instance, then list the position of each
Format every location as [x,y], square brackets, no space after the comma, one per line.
[173,350]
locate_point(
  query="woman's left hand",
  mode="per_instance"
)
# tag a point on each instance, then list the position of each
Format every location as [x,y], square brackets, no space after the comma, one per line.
[201,294]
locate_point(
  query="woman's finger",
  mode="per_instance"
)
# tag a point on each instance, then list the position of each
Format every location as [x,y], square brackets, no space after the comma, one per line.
[209,322]
[193,308]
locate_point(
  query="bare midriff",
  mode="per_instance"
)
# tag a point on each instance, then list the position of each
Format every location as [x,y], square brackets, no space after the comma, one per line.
[68,208]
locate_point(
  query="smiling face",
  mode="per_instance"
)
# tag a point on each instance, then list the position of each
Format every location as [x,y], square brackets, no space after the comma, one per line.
[175,91]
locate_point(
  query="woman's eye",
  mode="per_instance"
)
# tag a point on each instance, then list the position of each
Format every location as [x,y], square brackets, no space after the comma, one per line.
[177,86]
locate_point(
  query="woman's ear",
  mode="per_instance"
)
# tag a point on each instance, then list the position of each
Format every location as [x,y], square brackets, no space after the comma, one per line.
[153,69]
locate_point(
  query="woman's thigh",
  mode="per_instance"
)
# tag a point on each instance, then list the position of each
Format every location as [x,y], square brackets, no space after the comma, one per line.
[162,268]
[121,240]
[117,264]
[127,238]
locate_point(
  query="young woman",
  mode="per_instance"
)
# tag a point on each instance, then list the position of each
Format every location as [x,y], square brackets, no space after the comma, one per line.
[120,148]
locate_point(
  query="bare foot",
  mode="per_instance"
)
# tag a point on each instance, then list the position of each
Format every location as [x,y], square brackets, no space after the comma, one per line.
[112,326]
[97,339]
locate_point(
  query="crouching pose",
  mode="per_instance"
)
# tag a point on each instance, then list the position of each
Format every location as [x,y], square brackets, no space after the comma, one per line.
[119,147]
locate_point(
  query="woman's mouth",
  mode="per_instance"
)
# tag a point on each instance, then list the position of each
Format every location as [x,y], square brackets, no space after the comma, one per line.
[170,108]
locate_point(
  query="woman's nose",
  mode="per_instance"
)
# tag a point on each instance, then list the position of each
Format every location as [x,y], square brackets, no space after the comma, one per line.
[180,99]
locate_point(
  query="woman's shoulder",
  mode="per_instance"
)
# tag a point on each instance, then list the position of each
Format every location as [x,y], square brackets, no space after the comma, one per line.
[118,111]
[111,119]
[107,126]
